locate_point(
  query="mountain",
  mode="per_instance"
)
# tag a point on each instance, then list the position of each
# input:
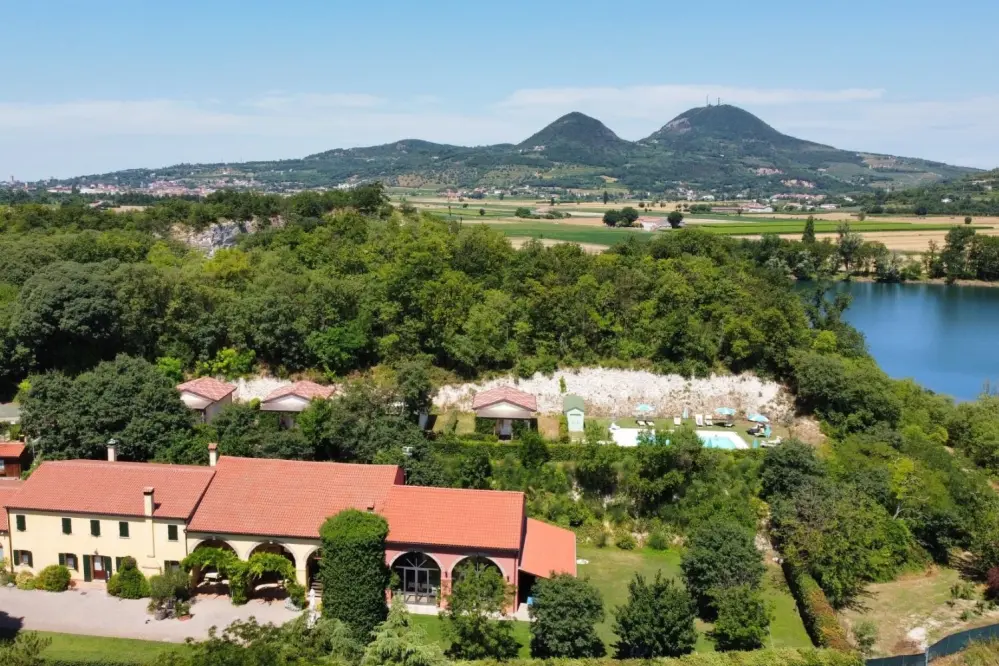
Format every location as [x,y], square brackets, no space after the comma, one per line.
[722,149]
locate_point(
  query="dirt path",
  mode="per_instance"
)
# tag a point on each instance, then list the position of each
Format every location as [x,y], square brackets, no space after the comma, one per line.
[592,248]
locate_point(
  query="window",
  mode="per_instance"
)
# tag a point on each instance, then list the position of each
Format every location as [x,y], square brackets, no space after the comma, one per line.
[123,529]
[95,528]
[22,558]
[21,523]
[67,526]
[171,565]
[69,561]
[171,532]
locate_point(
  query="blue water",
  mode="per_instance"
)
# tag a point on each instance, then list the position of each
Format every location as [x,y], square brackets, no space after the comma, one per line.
[718,443]
[944,337]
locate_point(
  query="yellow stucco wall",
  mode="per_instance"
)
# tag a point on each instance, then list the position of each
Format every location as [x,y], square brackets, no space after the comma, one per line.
[147,540]
[5,547]
[300,549]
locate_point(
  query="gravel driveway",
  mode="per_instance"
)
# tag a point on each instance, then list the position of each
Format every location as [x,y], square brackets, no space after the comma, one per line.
[95,613]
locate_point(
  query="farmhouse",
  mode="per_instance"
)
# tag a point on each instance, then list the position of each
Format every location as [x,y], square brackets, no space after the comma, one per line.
[206,395]
[90,514]
[294,398]
[504,405]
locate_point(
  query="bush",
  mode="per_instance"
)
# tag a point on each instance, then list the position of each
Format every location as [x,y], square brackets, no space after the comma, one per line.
[296,593]
[128,582]
[967,219]
[657,620]
[816,611]
[563,618]
[771,657]
[625,541]
[660,539]
[53,578]
[743,619]
[25,580]
[865,636]
[353,570]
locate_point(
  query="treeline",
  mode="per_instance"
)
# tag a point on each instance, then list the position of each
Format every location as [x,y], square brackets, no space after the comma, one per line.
[975,194]
[964,255]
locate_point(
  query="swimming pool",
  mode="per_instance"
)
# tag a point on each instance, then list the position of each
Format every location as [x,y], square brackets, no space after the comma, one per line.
[714,439]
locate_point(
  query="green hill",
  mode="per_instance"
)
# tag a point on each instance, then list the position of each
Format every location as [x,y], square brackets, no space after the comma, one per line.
[718,148]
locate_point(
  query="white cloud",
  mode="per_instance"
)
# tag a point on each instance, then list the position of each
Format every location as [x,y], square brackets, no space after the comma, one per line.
[311,101]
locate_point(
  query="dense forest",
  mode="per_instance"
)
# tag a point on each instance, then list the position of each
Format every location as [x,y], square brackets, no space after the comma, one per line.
[101,313]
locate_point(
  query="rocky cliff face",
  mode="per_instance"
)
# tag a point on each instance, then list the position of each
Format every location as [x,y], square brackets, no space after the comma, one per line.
[218,236]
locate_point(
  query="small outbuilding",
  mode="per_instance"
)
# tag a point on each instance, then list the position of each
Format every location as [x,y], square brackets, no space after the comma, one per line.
[573,408]
[15,458]
[505,404]
[294,398]
[206,395]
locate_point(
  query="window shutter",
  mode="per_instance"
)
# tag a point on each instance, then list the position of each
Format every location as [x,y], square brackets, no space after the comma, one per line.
[62,559]
[88,573]
[31,559]
[95,528]
[67,526]
[16,554]
[171,532]
[21,523]
[117,564]
[123,529]
[107,567]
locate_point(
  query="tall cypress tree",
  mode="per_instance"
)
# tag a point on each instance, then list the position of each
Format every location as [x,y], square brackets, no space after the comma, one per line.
[353,570]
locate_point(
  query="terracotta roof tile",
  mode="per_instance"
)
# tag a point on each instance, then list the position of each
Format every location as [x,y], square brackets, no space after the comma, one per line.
[113,488]
[452,517]
[303,389]
[548,548]
[207,387]
[11,449]
[7,491]
[507,394]
[289,498]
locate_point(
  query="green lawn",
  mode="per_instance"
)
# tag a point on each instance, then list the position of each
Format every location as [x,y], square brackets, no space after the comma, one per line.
[99,648]
[610,569]
[433,626]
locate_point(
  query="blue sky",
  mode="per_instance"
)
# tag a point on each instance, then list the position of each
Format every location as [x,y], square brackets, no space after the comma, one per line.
[102,85]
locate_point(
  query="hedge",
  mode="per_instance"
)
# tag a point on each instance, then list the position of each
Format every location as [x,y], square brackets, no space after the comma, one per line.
[558,452]
[773,657]
[816,611]
[85,662]
[353,570]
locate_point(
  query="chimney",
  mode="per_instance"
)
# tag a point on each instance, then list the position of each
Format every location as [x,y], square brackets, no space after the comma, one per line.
[112,451]
[213,454]
[147,501]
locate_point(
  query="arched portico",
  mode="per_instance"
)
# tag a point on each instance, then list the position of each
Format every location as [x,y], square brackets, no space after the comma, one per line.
[479,562]
[416,576]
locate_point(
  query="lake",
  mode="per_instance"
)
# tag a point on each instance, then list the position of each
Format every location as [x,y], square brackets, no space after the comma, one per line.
[944,337]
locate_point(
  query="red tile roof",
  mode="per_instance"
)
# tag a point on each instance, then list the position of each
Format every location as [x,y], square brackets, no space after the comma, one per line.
[548,548]
[488,519]
[289,498]
[7,491]
[207,387]
[11,449]
[113,488]
[303,389]
[505,394]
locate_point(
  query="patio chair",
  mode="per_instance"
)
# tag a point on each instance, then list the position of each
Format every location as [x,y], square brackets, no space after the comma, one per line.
[699,420]
[677,421]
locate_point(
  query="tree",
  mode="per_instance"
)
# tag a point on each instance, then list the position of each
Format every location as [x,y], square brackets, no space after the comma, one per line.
[353,570]
[478,595]
[563,616]
[865,636]
[674,218]
[656,621]
[523,211]
[24,650]
[474,471]
[397,642]
[967,219]
[720,555]
[126,399]
[415,388]
[552,201]
[848,244]
[629,215]
[533,451]
[921,211]
[613,218]
[787,468]
[743,621]
[808,236]
[606,197]
[482,212]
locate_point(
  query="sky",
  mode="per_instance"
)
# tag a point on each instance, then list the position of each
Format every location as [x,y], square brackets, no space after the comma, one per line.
[102,85]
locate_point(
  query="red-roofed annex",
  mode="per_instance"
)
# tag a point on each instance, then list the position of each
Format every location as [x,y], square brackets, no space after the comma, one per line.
[92,513]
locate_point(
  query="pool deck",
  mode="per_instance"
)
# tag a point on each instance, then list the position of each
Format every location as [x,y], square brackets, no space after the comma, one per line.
[628,431]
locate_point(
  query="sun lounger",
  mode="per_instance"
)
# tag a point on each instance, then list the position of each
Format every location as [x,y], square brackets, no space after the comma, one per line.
[699,420]
[676,421]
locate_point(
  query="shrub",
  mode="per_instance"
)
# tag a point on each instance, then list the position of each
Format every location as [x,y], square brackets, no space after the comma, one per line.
[625,541]
[769,657]
[128,582]
[296,593]
[25,580]
[865,636]
[182,609]
[53,578]
[564,614]
[967,219]
[816,611]
[353,570]
[657,620]
[720,555]
[472,622]
[743,619]
[963,590]
[660,539]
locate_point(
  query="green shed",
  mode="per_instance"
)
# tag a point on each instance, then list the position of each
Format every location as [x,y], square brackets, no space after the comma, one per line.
[572,407]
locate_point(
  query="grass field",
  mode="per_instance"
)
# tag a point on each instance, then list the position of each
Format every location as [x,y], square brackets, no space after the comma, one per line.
[610,569]
[99,648]
[433,626]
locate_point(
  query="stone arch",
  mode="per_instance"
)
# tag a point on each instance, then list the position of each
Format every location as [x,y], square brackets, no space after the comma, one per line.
[274,548]
[221,544]
[416,576]
[207,578]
